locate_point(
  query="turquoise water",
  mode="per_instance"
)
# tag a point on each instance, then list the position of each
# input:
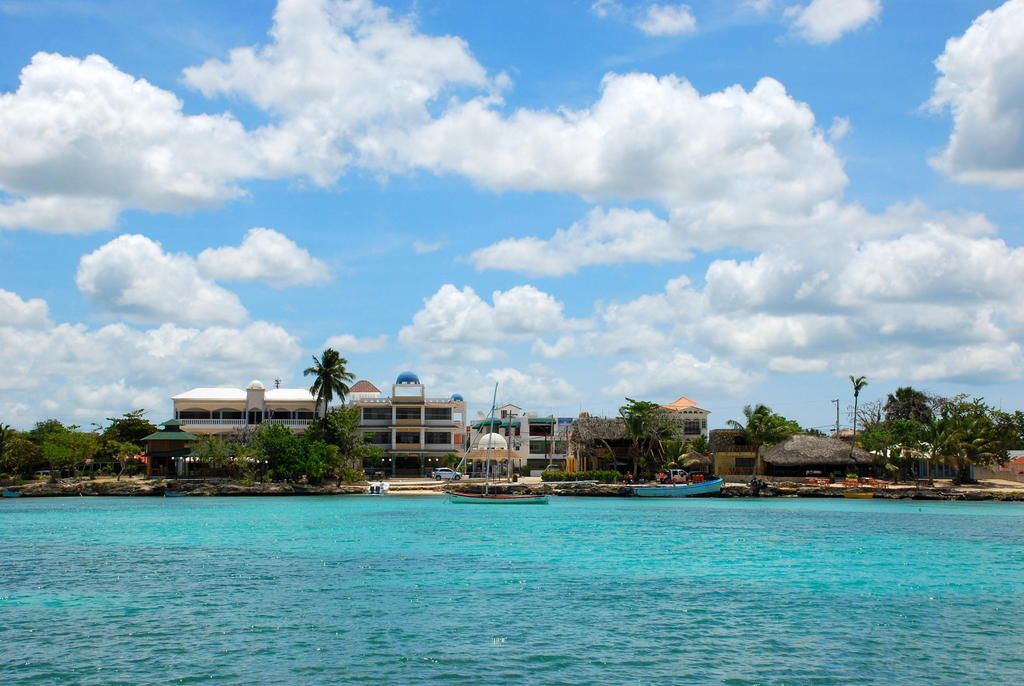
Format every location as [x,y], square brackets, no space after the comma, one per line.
[583,591]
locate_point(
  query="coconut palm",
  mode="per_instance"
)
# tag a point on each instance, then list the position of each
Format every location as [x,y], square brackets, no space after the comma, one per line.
[858,382]
[331,378]
[763,427]
[907,402]
[645,428]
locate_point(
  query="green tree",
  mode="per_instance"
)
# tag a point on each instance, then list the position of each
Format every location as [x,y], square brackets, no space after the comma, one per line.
[20,456]
[646,428]
[700,445]
[330,378]
[7,434]
[969,435]
[68,449]
[122,452]
[763,427]
[908,403]
[131,427]
[678,453]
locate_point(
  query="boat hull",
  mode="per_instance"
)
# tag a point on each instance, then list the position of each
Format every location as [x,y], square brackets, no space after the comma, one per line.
[496,499]
[859,495]
[11,494]
[679,490]
[174,494]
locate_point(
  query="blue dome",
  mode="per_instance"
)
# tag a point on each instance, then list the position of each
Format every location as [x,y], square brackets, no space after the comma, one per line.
[457,397]
[408,377]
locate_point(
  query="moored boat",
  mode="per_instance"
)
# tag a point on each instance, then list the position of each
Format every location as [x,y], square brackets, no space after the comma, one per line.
[679,490]
[11,494]
[859,494]
[378,488]
[175,494]
[497,498]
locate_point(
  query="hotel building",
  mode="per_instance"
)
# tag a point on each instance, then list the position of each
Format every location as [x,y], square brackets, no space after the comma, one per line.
[232,410]
[414,430]
[534,442]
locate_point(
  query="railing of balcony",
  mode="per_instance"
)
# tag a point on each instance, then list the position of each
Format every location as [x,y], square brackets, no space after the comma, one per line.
[289,422]
[212,422]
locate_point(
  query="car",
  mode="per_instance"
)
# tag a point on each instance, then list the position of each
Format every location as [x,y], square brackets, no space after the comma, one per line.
[445,473]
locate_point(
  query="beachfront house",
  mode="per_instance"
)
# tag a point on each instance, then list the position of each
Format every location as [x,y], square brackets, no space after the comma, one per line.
[731,454]
[803,455]
[166,451]
[223,410]
[534,442]
[414,430]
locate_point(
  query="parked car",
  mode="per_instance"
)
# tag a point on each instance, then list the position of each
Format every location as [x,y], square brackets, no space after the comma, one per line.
[445,473]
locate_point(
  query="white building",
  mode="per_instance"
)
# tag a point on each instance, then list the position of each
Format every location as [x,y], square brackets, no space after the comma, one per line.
[415,431]
[533,441]
[230,410]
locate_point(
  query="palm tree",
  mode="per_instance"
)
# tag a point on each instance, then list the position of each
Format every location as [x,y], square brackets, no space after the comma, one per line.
[331,378]
[858,382]
[645,429]
[763,427]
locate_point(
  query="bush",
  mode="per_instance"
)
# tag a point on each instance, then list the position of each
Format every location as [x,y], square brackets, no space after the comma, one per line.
[604,476]
[348,475]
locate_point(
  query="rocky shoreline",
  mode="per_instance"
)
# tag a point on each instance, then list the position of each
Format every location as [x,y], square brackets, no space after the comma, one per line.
[138,488]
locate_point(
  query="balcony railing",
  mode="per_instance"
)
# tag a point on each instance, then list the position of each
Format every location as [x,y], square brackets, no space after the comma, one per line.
[212,422]
[289,422]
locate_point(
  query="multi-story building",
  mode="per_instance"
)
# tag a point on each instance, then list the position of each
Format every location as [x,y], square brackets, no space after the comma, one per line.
[534,442]
[692,420]
[233,410]
[415,431]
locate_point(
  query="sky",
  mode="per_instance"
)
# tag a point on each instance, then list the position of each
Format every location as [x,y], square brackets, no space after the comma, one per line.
[739,201]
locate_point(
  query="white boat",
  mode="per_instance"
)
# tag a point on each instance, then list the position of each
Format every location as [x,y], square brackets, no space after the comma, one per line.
[378,488]
[497,498]
[679,490]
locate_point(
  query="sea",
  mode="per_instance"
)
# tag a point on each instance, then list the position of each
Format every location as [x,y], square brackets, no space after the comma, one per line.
[412,590]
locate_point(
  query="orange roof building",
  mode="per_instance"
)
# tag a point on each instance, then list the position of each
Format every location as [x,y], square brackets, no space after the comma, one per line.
[694,419]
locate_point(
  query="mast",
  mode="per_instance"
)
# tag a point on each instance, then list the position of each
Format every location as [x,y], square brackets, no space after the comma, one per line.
[490,425]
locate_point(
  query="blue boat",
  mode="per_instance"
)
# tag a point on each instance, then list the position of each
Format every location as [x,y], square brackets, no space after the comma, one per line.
[11,494]
[175,494]
[679,490]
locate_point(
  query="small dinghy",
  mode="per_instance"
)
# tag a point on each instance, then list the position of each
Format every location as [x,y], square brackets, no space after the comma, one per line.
[865,495]
[175,494]
[378,488]
[497,498]
[679,490]
[11,494]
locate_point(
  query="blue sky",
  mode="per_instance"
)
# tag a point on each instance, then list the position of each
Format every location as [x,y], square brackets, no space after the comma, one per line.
[764,198]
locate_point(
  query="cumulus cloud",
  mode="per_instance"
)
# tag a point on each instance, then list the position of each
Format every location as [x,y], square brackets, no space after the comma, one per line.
[132,276]
[83,374]
[14,311]
[665,374]
[981,83]
[825,21]
[667,20]
[347,343]
[83,141]
[562,346]
[604,237]
[264,255]
[840,128]
[454,322]
[336,75]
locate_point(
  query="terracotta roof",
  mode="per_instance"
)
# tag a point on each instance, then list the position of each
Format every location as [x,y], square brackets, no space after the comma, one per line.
[681,403]
[364,387]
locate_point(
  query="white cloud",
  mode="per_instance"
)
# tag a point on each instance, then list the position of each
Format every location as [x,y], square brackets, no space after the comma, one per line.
[788,364]
[725,165]
[603,237]
[666,373]
[455,322]
[133,277]
[347,343]
[337,75]
[667,20]
[825,21]
[264,255]
[424,248]
[77,373]
[982,85]
[562,346]
[27,313]
[840,128]
[535,388]
[83,141]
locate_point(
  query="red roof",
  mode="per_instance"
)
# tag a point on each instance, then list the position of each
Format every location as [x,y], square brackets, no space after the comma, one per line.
[681,403]
[364,387]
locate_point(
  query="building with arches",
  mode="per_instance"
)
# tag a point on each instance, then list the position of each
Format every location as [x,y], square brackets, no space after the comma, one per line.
[230,410]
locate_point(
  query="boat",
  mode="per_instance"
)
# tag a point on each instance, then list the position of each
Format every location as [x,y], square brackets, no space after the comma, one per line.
[378,488]
[497,498]
[679,490]
[11,494]
[858,494]
[175,494]
[489,443]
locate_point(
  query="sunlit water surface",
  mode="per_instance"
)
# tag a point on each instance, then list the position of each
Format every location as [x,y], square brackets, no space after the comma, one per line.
[586,591]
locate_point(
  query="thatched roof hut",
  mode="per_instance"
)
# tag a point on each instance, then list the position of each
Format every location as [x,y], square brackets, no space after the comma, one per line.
[798,454]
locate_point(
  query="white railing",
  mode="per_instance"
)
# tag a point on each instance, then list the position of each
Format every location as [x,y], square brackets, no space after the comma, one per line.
[388,401]
[289,422]
[212,422]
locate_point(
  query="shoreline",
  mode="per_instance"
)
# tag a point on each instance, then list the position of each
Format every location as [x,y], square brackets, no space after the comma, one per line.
[140,488]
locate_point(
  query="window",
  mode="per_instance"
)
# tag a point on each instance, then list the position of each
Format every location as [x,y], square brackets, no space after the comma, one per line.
[193,414]
[438,437]
[745,463]
[229,414]
[407,413]
[407,438]
[304,414]
[376,414]
[280,414]
[378,437]
[439,413]
[540,447]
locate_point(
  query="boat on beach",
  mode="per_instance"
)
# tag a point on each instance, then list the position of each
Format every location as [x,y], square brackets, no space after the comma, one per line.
[679,490]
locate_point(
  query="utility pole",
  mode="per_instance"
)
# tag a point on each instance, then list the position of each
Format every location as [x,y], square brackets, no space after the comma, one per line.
[836,403]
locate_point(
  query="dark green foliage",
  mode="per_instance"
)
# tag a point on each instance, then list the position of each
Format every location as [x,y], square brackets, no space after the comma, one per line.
[330,377]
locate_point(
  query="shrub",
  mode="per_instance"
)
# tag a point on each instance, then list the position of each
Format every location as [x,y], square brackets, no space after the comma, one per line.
[604,476]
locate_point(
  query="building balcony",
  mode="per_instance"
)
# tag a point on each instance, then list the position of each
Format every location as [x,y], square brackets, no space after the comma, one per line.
[292,423]
[213,423]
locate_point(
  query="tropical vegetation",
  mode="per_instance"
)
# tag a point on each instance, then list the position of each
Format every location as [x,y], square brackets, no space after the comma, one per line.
[330,378]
